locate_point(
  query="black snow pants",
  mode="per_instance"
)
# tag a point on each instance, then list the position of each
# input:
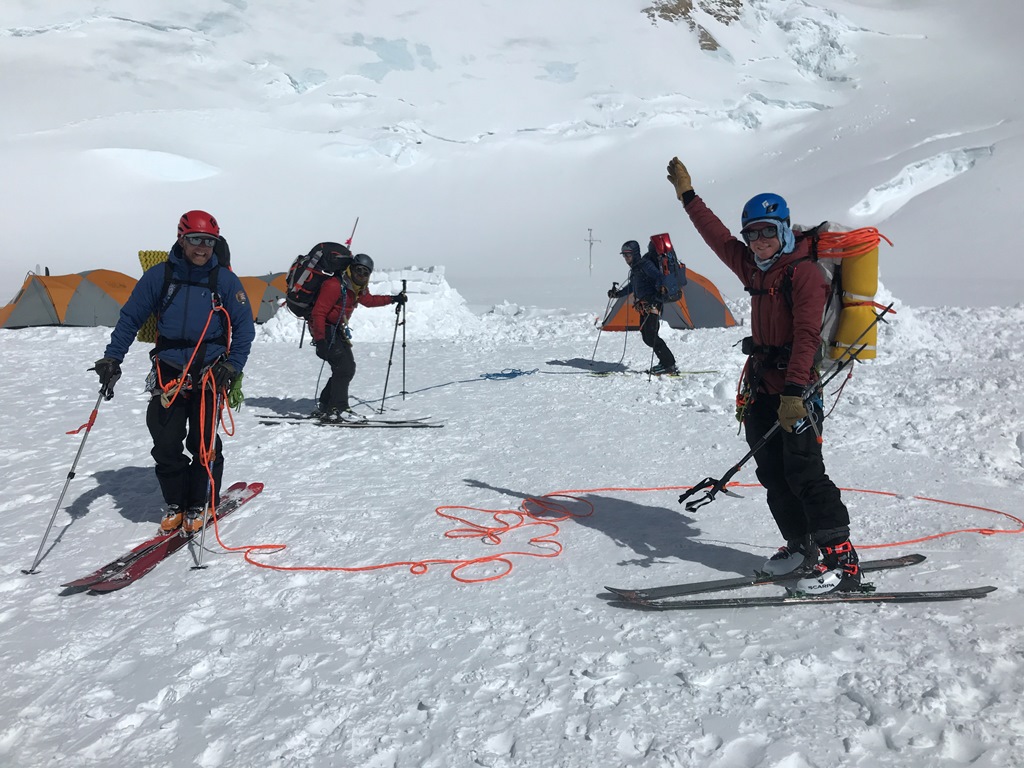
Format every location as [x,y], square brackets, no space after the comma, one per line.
[649,325]
[343,369]
[802,498]
[183,479]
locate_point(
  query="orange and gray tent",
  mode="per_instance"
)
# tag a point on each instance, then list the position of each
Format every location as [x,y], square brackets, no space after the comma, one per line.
[265,294]
[701,307]
[86,299]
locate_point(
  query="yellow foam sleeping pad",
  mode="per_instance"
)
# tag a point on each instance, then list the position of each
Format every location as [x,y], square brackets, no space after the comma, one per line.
[149,259]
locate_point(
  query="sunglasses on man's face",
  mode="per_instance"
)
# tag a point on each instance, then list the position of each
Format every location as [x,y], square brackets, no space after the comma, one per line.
[361,271]
[206,240]
[750,235]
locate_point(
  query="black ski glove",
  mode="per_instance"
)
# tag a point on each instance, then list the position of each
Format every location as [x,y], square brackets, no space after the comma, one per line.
[224,374]
[612,293]
[109,371]
[321,348]
[399,298]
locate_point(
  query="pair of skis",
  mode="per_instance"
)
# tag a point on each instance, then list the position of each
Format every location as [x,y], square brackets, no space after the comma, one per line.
[656,598]
[136,563]
[362,423]
[675,375]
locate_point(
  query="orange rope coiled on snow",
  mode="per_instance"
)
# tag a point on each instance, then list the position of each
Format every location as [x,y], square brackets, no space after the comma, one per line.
[545,513]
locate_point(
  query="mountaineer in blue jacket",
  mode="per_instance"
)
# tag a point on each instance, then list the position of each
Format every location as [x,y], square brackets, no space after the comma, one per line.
[643,284]
[204,332]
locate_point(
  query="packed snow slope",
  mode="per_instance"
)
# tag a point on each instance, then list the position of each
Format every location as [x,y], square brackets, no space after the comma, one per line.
[498,138]
[340,662]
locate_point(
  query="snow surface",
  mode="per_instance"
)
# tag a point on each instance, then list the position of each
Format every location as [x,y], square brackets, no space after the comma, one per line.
[495,139]
[373,665]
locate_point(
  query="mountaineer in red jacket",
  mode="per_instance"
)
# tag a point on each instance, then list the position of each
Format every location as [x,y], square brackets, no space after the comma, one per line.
[788,292]
[328,324]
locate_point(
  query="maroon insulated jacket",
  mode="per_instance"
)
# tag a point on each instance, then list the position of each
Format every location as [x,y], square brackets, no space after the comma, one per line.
[335,298]
[772,321]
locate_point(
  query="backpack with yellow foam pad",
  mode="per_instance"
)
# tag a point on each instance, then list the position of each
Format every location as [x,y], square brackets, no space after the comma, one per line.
[148,259]
[849,260]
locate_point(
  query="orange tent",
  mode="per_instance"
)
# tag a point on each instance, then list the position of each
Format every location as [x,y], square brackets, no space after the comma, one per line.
[86,299]
[701,307]
[265,294]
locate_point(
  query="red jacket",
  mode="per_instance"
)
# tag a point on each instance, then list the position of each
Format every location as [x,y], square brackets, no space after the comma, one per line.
[772,321]
[332,301]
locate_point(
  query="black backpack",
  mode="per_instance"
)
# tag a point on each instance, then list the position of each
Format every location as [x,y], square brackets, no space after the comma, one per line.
[307,275]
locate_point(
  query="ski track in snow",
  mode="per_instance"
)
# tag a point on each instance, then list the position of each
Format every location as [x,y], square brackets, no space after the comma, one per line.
[239,666]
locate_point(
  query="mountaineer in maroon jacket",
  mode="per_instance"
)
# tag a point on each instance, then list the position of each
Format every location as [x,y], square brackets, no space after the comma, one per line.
[328,324]
[785,322]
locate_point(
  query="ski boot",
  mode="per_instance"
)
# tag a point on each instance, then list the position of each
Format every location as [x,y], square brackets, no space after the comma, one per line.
[172,518]
[194,519]
[838,571]
[796,557]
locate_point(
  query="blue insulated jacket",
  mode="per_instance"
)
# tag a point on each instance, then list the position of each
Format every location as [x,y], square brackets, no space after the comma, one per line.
[643,281]
[184,316]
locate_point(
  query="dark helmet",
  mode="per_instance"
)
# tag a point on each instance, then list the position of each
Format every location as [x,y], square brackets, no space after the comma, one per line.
[362,260]
[631,248]
[764,207]
[197,223]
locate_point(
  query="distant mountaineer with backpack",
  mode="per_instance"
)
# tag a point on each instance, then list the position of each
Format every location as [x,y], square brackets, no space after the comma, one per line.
[328,324]
[788,293]
[643,283]
[204,332]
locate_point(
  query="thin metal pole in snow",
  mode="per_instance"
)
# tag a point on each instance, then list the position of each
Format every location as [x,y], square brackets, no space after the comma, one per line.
[71,474]
[590,253]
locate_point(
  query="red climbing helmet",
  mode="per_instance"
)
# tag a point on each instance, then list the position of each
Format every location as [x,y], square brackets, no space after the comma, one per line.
[198,223]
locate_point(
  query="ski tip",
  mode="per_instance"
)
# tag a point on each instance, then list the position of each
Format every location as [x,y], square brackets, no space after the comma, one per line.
[623,594]
[640,605]
[72,590]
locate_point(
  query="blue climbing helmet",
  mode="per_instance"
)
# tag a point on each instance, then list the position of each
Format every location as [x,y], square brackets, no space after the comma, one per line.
[771,207]
[766,206]
[632,248]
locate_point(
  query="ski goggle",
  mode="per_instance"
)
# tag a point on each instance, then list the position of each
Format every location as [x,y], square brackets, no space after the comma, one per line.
[206,240]
[360,271]
[750,235]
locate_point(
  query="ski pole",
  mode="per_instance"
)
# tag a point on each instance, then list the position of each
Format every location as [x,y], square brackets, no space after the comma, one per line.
[404,320]
[394,335]
[646,319]
[607,309]
[210,489]
[105,394]
[713,487]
